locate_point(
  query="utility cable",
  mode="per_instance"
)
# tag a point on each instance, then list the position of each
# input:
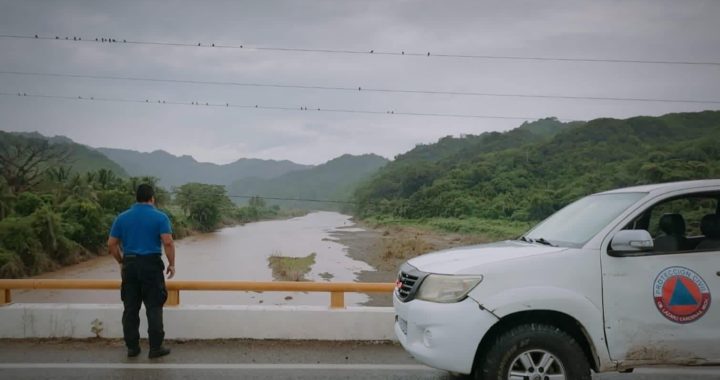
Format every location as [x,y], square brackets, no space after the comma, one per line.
[356,88]
[291,199]
[264,107]
[210,45]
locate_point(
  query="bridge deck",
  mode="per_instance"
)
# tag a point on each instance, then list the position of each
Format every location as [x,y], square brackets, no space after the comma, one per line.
[257,359]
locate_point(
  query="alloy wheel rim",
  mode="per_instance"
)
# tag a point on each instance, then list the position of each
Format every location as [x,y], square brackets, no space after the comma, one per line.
[536,365]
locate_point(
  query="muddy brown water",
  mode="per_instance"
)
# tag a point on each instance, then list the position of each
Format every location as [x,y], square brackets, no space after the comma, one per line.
[235,253]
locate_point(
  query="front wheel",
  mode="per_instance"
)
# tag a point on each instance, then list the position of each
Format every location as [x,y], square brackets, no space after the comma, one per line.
[533,352]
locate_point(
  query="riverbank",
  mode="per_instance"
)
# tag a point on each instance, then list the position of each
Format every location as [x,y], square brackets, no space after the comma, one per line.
[180,233]
[386,245]
[240,253]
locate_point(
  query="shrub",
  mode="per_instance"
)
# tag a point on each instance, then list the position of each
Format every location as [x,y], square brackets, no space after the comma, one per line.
[11,266]
[17,235]
[27,203]
[90,224]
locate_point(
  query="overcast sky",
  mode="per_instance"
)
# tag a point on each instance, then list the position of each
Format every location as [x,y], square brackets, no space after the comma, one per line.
[626,30]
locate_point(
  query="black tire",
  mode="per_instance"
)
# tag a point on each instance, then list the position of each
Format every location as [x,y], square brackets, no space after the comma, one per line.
[533,340]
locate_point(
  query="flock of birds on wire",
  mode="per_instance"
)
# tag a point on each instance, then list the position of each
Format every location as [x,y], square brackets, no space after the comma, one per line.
[113,40]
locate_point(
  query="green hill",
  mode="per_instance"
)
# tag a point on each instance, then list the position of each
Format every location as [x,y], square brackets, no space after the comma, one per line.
[333,180]
[531,171]
[82,159]
[175,171]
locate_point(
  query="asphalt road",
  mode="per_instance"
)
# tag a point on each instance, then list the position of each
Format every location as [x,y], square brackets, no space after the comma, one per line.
[232,359]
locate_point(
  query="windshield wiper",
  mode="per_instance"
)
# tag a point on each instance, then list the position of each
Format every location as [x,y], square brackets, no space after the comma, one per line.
[538,240]
[543,241]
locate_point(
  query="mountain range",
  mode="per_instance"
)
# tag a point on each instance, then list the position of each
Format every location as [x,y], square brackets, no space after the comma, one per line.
[177,170]
[334,180]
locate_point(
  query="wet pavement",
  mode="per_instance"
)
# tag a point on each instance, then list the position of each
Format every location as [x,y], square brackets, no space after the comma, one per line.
[247,359]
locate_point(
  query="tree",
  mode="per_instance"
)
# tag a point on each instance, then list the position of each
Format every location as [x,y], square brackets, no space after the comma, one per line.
[23,161]
[107,179]
[59,174]
[27,203]
[203,204]
[86,223]
[6,200]
[205,214]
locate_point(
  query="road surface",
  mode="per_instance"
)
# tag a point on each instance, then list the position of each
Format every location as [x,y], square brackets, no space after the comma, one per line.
[232,359]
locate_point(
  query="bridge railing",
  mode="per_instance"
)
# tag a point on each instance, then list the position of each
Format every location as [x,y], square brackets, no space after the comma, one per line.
[337,290]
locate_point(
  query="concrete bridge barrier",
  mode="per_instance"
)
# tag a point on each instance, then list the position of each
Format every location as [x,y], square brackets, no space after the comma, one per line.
[201,322]
[333,322]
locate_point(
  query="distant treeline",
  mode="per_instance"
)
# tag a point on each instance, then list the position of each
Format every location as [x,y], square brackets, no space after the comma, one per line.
[52,215]
[528,173]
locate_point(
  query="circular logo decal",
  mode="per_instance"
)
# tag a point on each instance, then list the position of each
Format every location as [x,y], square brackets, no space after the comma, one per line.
[681,295]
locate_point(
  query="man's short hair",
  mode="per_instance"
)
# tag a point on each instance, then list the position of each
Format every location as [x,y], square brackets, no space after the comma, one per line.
[144,193]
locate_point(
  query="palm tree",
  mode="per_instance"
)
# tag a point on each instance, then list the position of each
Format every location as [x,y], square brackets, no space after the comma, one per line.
[107,179]
[78,187]
[59,174]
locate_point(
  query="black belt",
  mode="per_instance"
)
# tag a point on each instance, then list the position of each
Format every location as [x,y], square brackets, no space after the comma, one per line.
[134,255]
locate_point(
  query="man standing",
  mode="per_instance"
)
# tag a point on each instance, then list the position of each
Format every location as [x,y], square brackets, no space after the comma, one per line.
[142,231]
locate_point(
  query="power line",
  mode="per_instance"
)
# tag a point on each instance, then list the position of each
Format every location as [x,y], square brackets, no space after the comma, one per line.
[285,199]
[110,40]
[358,88]
[292,199]
[263,107]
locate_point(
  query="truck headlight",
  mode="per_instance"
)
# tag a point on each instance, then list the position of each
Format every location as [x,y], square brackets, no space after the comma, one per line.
[446,288]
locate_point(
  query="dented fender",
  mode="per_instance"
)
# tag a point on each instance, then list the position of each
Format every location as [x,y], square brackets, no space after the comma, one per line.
[573,304]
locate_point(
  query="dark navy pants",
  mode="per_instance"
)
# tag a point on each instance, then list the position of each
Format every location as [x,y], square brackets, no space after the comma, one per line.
[143,282]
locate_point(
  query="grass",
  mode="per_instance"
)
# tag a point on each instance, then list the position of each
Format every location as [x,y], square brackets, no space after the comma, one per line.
[403,239]
[402,247]
[290,268]
[489,229]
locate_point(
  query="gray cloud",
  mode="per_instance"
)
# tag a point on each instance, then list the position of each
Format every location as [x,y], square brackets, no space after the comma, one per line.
[655,30]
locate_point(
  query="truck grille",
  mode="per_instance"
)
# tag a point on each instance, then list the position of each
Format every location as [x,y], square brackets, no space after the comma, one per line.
[408,282]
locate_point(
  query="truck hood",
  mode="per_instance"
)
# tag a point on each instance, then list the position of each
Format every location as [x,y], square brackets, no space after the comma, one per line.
[465,260]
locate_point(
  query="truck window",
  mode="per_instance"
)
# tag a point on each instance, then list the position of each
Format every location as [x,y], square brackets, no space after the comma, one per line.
[674,224]
[691,209]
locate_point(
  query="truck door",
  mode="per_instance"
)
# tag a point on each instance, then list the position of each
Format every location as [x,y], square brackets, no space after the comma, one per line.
[659,305]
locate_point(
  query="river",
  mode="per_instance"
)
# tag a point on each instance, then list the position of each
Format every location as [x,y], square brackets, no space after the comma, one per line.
[234,253]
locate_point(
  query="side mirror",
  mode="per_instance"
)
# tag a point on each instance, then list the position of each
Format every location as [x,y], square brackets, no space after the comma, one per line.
[628,241]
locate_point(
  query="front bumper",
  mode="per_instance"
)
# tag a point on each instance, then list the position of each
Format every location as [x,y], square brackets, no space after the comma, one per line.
[442,335]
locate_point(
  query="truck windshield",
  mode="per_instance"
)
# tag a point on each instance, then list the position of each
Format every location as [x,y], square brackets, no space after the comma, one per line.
[578,222]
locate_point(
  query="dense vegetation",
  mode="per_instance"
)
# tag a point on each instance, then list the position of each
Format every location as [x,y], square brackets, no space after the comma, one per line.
[334,180]
[58,199]
[529,172]
[51,214]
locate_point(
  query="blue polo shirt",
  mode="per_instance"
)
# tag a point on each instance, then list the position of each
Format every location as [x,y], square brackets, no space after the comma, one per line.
[139,229]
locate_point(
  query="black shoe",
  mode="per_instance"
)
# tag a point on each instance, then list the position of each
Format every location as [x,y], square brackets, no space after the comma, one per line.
[158,352]
[133,352]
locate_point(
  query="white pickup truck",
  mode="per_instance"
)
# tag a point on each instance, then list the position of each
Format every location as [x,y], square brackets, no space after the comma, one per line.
[614,281]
